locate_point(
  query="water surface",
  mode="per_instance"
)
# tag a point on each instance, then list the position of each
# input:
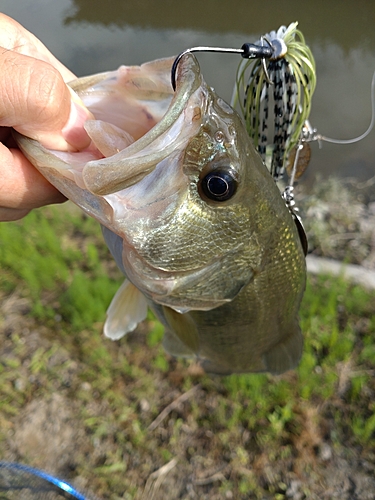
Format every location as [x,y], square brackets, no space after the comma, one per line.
[91,36]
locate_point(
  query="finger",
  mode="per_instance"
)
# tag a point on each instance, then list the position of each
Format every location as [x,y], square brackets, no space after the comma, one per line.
[22,186]
[16,38]
[35,101]
[12,214]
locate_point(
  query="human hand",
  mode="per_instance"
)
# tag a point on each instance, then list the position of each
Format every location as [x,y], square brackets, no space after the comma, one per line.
[36,102]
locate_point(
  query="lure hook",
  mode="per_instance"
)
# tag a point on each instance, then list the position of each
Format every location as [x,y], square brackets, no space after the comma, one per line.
[247,51]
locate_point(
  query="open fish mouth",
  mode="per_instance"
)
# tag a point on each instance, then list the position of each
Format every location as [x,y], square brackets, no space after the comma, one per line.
[133,165]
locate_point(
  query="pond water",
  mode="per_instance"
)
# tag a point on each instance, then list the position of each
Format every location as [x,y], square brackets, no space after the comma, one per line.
[90,36]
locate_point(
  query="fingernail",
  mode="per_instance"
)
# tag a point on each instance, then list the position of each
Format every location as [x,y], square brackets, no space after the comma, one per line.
[74,132]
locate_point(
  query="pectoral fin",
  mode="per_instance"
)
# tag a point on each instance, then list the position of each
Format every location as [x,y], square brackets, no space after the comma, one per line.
[173,345]
[184,339]
[286,354]
[127,309]
[214,367]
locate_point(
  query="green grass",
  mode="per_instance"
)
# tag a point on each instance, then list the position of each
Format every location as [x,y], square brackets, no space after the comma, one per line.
[40,254]
[56,261]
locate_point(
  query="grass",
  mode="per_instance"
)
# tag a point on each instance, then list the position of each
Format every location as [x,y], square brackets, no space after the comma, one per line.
[243,436]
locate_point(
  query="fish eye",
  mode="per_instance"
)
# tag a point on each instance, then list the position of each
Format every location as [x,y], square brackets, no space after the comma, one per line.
[219,185]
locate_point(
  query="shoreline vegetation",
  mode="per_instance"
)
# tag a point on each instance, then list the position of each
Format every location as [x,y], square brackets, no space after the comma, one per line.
[124,420]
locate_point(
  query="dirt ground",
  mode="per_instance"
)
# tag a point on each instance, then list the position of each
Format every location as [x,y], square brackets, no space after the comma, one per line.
[50,433]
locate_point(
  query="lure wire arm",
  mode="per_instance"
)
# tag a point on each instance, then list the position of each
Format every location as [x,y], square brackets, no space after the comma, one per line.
[247,51]
[310,134]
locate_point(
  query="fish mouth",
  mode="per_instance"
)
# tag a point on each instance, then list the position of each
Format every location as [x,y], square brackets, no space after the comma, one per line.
[182,119]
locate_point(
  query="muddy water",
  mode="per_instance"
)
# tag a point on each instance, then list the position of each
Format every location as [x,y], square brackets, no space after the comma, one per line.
[93,35]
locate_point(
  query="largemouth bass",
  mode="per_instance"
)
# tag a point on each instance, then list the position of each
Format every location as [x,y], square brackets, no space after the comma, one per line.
[191,215]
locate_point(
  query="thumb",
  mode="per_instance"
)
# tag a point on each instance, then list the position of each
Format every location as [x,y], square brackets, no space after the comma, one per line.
[36,102]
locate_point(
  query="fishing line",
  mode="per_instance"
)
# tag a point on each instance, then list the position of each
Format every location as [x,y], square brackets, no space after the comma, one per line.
[318,137]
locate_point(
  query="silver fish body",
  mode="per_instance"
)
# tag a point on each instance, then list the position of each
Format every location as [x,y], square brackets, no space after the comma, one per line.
[191,215]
